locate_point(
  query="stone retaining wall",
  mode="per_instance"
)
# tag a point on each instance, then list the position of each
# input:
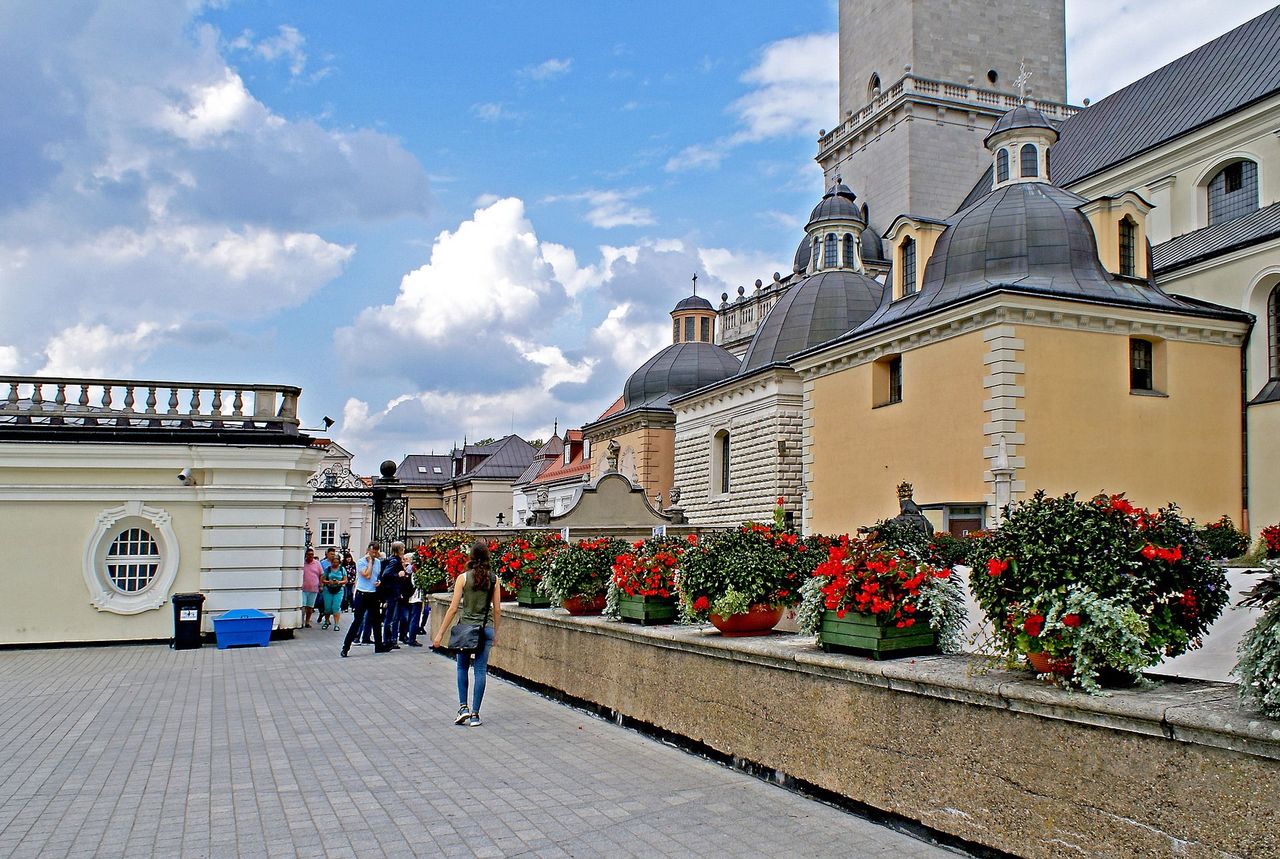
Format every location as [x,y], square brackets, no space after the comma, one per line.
[981,753]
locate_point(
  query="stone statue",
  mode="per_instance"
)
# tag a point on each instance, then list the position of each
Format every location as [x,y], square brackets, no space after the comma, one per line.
[543,496]
[675,495]
[910,513]
[611,455]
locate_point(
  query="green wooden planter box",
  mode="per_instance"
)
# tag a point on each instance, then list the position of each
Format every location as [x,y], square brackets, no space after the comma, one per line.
[647,611]
[529,597]
[864,634]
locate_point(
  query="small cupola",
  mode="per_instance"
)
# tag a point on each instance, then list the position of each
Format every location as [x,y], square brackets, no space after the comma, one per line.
[1019,143]
[833,235]
[693,320]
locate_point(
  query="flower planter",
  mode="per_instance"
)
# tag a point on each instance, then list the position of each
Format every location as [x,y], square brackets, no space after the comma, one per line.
[879,639]
[507,595]
[580,606]
[760,620]
[1043,663]
[529,597]
[647,611]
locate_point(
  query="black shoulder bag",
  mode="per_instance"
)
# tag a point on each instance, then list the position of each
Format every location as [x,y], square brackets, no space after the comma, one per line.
[467,637]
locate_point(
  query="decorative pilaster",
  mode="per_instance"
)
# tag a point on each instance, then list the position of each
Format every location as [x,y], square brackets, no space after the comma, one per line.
[1004,418]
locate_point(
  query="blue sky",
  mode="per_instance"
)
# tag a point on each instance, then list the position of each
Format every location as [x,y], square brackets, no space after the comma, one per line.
[438,220]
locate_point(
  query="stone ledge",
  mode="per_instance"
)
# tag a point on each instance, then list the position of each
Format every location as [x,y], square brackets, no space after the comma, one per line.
[1197,712]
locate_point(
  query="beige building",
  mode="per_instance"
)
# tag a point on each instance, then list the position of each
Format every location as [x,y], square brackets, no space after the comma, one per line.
[341,511]
[129,492]
[470,487]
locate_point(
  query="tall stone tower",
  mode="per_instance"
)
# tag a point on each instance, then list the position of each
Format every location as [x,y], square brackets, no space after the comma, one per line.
[921,84]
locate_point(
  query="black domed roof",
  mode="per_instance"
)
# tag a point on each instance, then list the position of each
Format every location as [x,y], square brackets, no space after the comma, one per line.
[803,253]
[677,369]
[1029,237]
[693,302]
[1020,117]
[837,204]
[871,246]
[819,308]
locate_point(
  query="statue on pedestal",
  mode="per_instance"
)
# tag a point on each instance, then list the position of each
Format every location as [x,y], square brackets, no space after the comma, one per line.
[910,514]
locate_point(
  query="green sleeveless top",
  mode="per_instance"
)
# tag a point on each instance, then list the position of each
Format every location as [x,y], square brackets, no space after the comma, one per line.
[473,602]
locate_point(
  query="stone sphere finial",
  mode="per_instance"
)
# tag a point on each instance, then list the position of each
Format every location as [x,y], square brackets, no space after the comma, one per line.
[388,469]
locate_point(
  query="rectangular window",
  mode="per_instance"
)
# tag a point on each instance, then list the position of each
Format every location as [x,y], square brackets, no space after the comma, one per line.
[1128,238]
[908,256]
[675,330]
[328,532]
[895,380]
[886,381]
[1140,365]
[706,329]
[724,462]
[688,328]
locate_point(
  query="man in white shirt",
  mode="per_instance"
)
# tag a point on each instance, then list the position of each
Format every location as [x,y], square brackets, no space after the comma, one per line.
[368,572]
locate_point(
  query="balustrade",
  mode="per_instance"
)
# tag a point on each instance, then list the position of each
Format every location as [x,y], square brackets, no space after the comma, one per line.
[53,401]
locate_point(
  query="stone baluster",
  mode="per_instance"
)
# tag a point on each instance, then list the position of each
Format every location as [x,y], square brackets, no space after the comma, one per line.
[151,400]
[237,404]
[11,402]
[173,401]
[215,407]
[37,398]
[128,398]
[106,398]
[195,401]
[84,397]
[60,403]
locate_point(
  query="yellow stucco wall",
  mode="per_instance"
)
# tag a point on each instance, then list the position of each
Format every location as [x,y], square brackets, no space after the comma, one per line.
[654,452]
[1086,433]
[1264,466]
[933,438]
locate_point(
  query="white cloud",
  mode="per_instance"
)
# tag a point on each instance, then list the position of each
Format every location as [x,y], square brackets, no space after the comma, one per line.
[492,111]
[286,43]
[548,69]
[740,268]
[628,339]
[9,360]
[607,209]
[794,89]
[97,351]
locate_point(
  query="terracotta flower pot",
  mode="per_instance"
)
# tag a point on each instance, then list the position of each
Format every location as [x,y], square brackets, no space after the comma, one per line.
[760,620]
[1043,663]
[579,606]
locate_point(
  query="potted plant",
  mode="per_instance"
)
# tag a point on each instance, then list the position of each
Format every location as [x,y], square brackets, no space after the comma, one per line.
[578,576]
[868,598]
[440,559]
[1259,651]
[642,589]
[1087,589]
[1223,540]
[742,580]
[521,563]
[1271,542]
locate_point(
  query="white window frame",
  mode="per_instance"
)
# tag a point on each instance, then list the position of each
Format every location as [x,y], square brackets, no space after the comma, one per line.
[332,525]
[103,594]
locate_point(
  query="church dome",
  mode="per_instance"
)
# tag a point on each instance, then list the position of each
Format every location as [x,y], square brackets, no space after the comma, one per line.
[837,205]
[1020,117]
[693,302]
[872,247]
[677,369]
[819,308]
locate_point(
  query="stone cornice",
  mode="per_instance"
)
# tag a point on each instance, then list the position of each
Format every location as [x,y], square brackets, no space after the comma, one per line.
[625,422]
[757,382]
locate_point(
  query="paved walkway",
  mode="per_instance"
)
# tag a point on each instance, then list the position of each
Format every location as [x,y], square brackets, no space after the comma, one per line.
[141,751]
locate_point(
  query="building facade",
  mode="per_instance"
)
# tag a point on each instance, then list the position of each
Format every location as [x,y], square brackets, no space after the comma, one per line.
[340,515]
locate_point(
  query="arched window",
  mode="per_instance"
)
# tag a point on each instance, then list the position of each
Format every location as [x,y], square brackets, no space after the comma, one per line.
[850,258]
[1233,192]
[873,86]
[132,560]
[1030,161]
[816,246]
[907,262]
[1128,239]
[1002,165]
[829,257]
[1273,331]
[1141,366]
[720,462]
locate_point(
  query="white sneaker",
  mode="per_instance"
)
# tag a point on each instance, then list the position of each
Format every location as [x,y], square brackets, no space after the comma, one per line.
[474,721]
[464,716]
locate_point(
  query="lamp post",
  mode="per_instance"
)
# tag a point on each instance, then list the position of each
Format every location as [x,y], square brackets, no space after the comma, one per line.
[345,541]
[306,536]
[500,520]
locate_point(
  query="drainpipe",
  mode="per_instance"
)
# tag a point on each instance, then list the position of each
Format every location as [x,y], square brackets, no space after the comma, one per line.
[1244,433]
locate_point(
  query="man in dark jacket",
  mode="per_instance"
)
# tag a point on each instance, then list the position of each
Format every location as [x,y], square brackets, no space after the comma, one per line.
[390,587]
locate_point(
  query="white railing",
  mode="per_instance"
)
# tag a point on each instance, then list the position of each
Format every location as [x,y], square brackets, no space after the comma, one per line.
[130,403]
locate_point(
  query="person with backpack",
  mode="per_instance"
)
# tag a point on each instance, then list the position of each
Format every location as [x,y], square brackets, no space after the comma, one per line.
[476,594]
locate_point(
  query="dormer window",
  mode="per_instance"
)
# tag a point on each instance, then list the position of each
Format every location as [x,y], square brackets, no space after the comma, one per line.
[1128,240]
[816,246]
[829,257]
[850,259]
[1233,192]
[1002,165]
[1030,166]
[907,264]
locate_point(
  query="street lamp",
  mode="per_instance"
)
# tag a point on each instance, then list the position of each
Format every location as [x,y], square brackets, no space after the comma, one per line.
[306,535]
[500,518]
[346,540]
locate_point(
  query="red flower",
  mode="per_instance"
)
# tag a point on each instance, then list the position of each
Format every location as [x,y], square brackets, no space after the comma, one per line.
[1149,552]
[692,539]
[780,500]
[701,603]
[995,566]
[1071,620]
[1033,625]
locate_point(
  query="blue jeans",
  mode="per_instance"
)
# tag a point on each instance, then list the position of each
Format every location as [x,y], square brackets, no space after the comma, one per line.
[391,624]
[482,670]
[410,615]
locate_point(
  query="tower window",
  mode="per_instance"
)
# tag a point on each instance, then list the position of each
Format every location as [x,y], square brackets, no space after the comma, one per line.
[1030,161]
[907,261]
[873,86]
[688,328]
[850,258]
[816,246]
[1141,365]
[1002,165]
[829,258]
[993,77]
[1128,238]
[1273,331]
[675,330]
[706,329]
[1233,192]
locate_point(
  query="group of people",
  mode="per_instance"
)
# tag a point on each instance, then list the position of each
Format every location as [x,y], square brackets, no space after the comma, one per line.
[387,606]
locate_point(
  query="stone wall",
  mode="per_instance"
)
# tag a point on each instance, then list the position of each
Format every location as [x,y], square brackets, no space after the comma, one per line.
[983,754]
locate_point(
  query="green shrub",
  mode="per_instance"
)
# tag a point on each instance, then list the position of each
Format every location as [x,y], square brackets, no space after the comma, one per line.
[1223,540]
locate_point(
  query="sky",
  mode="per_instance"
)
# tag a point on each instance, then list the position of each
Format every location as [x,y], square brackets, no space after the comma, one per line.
[440,220]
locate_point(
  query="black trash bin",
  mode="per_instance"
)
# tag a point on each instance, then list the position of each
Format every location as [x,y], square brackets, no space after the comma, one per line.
[186,620]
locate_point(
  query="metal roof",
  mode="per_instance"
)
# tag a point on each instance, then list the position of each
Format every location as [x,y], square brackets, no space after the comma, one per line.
[693,302]
[837,204]
[1020,117]
[507,459]
[410,471]
[429,519]
[1208,242]
[677,369]
[1224,75]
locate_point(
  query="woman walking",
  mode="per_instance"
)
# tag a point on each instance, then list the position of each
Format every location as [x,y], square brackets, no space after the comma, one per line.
[476,592]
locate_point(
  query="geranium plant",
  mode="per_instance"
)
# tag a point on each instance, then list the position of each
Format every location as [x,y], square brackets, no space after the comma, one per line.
[647,569]
[1259,651]
[1096,584]
[1271,541]
[522,559]
[441,559]
[582,569]
[1224,540]
[755,564]
[864,576]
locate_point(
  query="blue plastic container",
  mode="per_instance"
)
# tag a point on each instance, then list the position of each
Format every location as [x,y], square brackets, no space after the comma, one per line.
[243,627]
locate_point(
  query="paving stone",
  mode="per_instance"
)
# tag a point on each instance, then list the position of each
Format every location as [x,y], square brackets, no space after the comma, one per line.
[291,751]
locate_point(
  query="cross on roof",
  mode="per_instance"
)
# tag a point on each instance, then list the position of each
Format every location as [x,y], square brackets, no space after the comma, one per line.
[695,283]
[1021,80]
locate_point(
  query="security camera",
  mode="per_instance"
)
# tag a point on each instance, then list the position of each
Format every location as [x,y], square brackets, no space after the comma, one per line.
[185,478]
